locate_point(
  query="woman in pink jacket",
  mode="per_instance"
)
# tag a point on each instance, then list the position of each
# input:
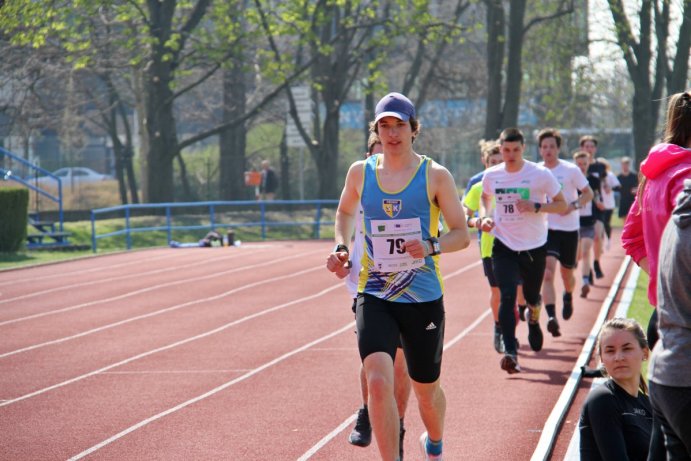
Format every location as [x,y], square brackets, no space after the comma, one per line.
[663,171]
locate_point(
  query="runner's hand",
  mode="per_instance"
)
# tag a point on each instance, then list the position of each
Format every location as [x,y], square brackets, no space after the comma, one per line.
[336,263]
[487,224]
[416,248]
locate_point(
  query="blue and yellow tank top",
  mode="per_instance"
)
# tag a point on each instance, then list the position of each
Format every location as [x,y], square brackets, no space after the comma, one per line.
[389,219]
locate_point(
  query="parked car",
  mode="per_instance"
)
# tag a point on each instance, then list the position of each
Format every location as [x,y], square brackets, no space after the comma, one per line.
[74,175]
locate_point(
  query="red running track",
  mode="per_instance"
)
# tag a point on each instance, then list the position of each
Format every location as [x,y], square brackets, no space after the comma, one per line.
[246,353]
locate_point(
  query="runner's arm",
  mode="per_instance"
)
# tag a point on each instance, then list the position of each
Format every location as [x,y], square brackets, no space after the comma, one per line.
[345,219]
[457,238]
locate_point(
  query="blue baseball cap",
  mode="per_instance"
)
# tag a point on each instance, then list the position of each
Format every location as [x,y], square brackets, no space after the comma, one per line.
[394,105]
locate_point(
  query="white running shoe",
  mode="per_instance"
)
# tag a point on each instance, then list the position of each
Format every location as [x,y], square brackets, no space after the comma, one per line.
[423,446]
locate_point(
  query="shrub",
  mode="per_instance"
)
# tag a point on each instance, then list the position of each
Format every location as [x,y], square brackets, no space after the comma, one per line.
[14,206]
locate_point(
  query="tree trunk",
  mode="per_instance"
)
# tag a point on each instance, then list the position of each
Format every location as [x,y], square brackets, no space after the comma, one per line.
[285,169]
[496,24]
[326,157]
[677,80]
[514,70]
[233,140]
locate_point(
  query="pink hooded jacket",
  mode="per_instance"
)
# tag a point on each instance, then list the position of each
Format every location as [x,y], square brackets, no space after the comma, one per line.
[665,168]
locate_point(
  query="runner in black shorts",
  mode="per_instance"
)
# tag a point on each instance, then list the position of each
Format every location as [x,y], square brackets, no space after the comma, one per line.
[587,221]
[597,169]
[402,195]
[562,236]
[523,191]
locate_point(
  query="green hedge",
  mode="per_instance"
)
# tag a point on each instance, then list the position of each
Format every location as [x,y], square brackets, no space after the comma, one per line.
[14,207]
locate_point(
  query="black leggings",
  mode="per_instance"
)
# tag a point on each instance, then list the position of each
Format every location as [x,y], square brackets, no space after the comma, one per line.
[510,267]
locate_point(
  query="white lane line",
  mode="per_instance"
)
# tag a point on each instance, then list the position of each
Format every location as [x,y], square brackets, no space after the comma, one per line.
[553,423]
[176,372]
[109,280]
[57,274]
[331,435]
[211,392]
[172,345]
[159,312]
[573,451]
[146,290]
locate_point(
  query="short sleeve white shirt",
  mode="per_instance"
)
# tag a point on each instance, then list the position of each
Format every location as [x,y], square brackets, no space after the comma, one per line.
[571,180]
[352,280]
[519,231]
[608,197]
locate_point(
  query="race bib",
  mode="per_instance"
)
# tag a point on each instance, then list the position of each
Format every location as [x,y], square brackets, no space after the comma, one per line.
[388,239]
[506,200]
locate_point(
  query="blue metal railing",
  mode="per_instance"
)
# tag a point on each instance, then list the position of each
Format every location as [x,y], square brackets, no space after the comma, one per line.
[30,171]
[213,223]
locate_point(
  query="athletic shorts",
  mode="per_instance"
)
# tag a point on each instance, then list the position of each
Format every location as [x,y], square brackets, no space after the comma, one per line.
[563,245]
[420,327]
[489,271]
[587,232]
[354,307]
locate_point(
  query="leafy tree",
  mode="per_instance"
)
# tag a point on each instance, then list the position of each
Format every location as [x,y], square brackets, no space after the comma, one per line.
[507,39]
[648,63]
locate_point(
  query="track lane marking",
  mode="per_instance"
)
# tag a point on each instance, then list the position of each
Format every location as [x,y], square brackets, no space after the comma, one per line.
[114,279]
[80,271]
[157,313]
[144,290]
[213,391]
[279,359]
[171,346]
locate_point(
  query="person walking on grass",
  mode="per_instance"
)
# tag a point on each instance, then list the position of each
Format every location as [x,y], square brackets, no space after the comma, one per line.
[562,234]
[361,435]
[400,287]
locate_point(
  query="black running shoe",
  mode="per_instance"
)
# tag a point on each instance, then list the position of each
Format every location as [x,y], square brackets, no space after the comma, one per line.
[598,270]
[509,363]
[553,327]
[498,340]
[590,278]
[361,435]
[567,311]
[535,338]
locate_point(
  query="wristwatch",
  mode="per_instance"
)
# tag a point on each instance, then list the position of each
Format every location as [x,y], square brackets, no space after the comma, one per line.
[341,247]
[537,206]
[576,204]
[434,244]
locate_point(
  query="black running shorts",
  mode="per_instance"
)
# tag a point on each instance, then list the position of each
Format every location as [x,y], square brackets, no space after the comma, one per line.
[420,327]
[489,271]
[563,245]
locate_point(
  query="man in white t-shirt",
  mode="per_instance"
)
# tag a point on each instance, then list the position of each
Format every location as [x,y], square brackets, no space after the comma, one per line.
[523,192]
[562,234]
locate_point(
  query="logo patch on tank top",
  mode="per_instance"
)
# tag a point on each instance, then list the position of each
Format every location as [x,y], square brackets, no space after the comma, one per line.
[392,207]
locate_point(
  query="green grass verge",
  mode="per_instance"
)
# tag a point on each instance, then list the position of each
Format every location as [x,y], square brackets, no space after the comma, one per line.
[640,309]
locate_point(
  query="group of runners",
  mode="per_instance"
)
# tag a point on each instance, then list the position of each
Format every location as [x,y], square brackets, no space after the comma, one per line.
[530,216]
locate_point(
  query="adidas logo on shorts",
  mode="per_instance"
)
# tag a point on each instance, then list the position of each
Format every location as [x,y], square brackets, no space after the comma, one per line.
[431,326]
